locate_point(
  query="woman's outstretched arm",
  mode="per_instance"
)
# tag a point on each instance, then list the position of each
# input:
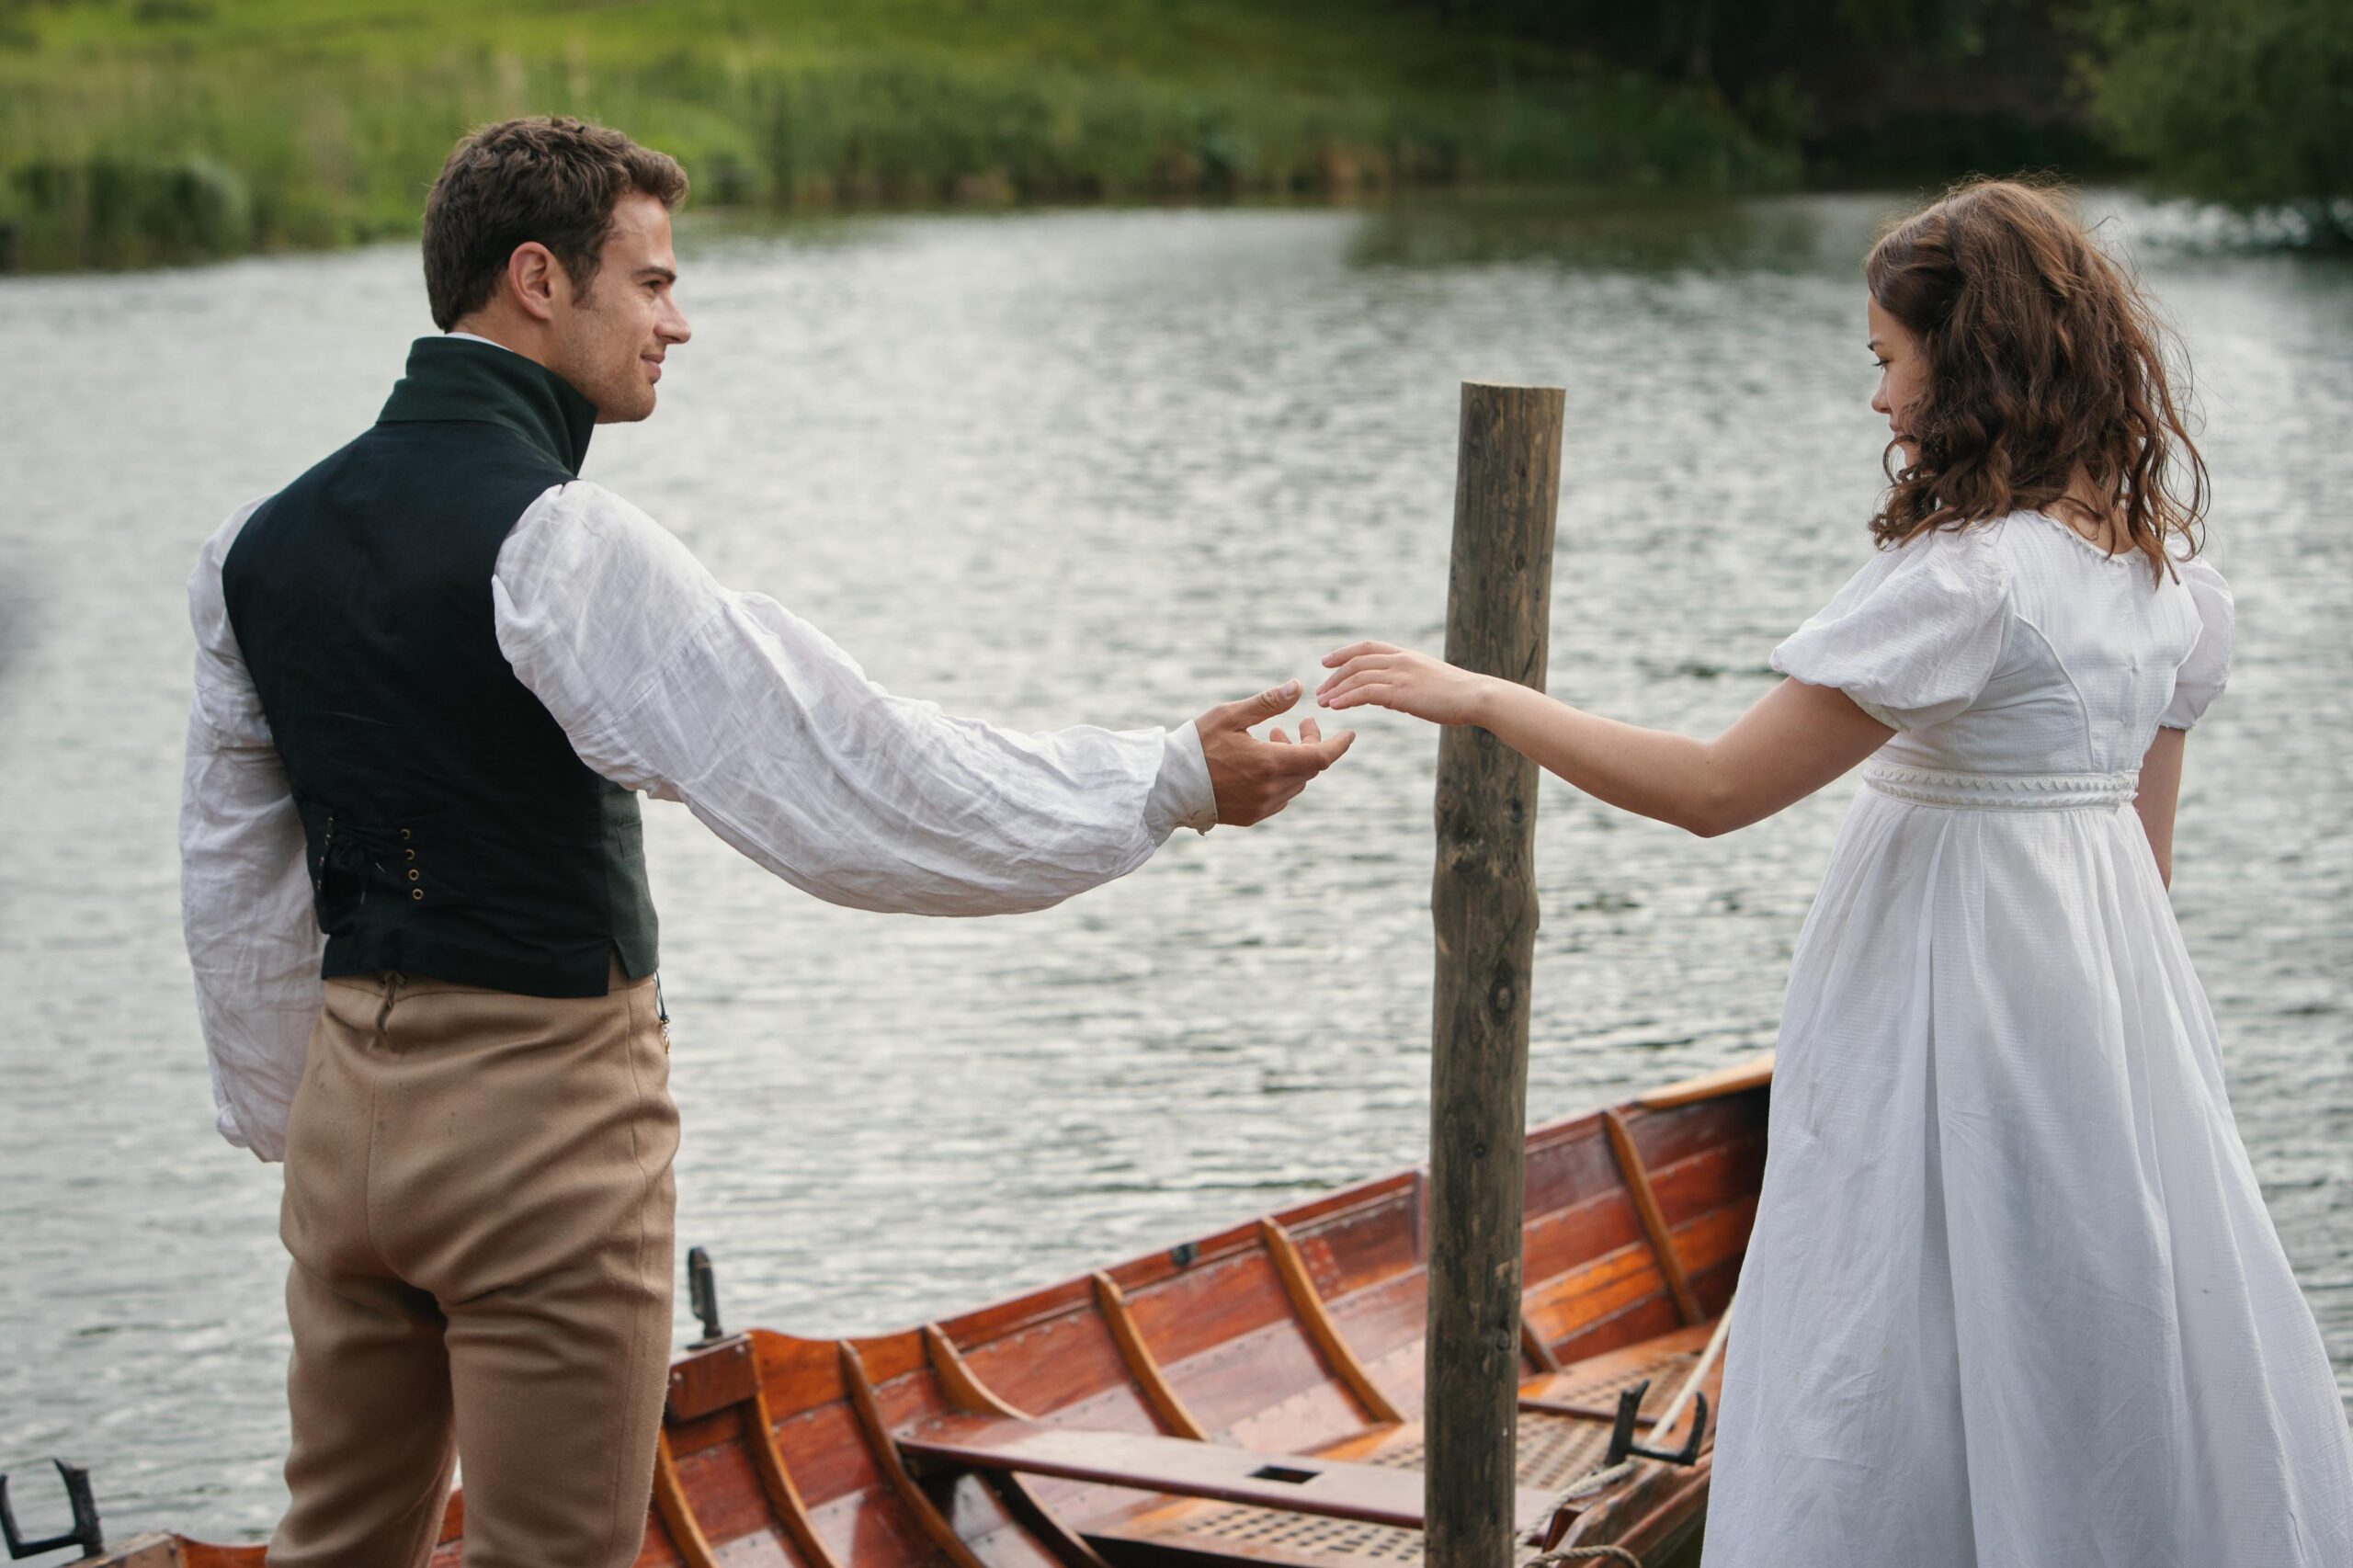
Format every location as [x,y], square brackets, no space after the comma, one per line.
[1795,740]
[2160,789]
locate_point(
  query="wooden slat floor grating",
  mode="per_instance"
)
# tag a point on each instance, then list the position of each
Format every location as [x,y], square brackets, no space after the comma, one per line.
[1299,1537]
[1666,1372]
[1554,1451]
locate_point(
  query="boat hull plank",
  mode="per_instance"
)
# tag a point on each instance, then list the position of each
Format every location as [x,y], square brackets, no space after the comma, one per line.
[1233,1347]
[1339,1357]
[1068,1360]
[1375,1236]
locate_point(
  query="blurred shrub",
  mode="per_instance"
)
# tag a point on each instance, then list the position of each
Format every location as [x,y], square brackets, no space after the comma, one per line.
[114,211]
[2245,102]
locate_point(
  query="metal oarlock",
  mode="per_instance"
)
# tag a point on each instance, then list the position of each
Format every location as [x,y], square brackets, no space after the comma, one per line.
[1622,1437]
[84,1534]
[702,1291]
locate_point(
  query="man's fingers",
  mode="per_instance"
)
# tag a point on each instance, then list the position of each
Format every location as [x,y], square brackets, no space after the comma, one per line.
[1310,731]
[1278,773]
[1277,736]
[1307,760]
[1255,709]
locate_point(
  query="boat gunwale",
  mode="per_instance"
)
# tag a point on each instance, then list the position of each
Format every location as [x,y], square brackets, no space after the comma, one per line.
[1041,1304]
[708,1408]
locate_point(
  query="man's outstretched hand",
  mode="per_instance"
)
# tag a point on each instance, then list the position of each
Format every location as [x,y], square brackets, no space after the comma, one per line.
[1254,779]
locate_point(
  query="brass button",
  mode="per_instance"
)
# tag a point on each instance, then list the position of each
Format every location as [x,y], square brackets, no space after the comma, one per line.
[410,854]
[415,875]
[404,833]
[417,893]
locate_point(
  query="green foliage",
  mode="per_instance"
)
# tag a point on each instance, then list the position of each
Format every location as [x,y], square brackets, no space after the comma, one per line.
[2247,102]
[1739,47]
[140,130]
[1901,90]
[122,212]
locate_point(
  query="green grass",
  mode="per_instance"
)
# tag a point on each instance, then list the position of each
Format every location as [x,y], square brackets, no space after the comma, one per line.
[136,131]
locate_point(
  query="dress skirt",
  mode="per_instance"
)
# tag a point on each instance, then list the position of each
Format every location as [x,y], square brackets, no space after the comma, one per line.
[2013,1297]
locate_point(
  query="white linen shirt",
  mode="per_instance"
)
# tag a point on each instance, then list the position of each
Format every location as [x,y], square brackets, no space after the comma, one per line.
[668,683]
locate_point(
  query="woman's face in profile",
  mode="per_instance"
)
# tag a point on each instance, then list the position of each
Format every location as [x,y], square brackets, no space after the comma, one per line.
[1902,369]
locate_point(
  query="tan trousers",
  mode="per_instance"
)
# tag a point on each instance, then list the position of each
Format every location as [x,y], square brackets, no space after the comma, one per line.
[479,1205]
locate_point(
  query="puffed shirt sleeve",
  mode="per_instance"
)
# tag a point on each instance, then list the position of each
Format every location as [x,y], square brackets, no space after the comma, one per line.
[1914,636]
[666,682]
[253,942]
[2207,671]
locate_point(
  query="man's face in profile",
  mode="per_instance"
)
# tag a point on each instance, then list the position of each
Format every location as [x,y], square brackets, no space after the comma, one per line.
[613,336]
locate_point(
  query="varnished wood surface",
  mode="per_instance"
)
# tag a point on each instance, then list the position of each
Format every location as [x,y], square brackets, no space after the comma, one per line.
[885,1449]
[1653,1218]
[957,1381]
[1317,1318]
[785,1451]
[677,1514]
[1753,1073]
[1294,1483]
[783,1494]
[1535,1348]
[1142,1365]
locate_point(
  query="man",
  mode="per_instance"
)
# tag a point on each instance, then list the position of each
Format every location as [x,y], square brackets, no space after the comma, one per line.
[432,674]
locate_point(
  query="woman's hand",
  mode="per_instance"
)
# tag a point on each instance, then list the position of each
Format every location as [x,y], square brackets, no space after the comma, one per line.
[1402,679]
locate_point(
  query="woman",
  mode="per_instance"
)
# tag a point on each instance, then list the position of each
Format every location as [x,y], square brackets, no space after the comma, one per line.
[2012,1296]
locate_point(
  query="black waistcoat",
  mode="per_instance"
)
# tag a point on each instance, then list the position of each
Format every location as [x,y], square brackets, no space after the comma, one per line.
[452,830]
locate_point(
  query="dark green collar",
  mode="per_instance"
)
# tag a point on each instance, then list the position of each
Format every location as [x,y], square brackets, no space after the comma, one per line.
[452,378]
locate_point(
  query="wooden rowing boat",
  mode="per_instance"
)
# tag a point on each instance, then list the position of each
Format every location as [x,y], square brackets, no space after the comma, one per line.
[1250,1398]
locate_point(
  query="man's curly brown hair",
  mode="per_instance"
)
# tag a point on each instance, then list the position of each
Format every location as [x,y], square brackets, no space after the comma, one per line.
[2045,364]
[549,178]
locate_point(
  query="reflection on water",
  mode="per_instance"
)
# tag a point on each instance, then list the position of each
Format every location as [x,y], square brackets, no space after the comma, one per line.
[1103,466]
[1602,232]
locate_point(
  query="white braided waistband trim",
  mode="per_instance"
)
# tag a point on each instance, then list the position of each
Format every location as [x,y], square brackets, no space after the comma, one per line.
[2003,791]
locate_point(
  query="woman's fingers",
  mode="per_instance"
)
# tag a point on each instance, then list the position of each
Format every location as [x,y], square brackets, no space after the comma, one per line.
[1359,665]
[1381,694]
[1350,680]
[1342,655]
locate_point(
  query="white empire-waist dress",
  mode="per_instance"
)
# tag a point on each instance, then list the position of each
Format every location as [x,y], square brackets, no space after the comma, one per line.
[2013,1297]
[666,682]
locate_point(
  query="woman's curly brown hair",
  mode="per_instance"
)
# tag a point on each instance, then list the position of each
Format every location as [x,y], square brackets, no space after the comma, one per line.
[2043,364]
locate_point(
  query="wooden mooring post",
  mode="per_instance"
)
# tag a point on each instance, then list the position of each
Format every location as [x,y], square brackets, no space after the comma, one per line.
[1499,593]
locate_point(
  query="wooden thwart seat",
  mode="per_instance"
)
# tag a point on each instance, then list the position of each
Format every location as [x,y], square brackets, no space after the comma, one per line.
[1178,1467]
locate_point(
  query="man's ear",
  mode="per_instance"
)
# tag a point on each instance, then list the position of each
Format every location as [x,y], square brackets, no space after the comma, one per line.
[538,279]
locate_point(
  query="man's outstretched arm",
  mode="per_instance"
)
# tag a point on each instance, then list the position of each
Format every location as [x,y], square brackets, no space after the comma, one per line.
[667,682]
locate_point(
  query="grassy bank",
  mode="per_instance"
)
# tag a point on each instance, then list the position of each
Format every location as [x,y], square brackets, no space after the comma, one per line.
[136,131]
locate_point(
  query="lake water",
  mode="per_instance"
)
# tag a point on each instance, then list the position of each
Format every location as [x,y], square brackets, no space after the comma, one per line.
[1100,466]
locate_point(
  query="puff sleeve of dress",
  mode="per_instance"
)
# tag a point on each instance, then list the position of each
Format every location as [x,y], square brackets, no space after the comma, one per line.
[2203,675]
[1916,635]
